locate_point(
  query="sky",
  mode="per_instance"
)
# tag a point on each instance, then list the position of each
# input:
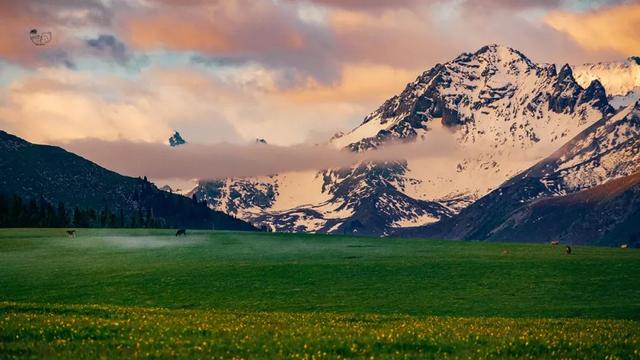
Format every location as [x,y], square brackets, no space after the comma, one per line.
[288,71]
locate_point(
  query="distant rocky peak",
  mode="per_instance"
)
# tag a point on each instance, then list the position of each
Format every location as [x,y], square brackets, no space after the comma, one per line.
[596,94]
[566,74]
[176,140]
[492,59]
[595,90]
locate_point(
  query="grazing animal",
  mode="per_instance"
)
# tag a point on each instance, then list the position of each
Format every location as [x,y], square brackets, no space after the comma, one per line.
[624,246]
[71,233]
[555,242]
[506,252]
[182,232]
[568,250]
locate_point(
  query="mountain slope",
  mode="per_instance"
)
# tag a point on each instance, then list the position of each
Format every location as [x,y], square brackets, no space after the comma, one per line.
[608,214]
[584,192]
[31,170]
[501,111]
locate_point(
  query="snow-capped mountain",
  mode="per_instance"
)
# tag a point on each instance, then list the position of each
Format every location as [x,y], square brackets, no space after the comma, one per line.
[176,140]
[501,111]
[621,79]
[586,191]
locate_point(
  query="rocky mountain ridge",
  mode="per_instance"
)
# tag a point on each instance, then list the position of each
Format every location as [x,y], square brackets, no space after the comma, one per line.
[502,111]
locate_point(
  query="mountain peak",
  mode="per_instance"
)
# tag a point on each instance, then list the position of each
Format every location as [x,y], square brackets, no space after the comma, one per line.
[494,58]
[498,52]
[565,73]
[497,49]
[176,140]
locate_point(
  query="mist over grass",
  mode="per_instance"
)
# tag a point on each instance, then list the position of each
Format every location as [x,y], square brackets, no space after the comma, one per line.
[136,242]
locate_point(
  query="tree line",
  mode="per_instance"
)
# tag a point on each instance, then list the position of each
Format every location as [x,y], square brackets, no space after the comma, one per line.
[16,211]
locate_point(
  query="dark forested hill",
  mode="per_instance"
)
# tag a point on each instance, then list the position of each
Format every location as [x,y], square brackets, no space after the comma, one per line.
[55,175]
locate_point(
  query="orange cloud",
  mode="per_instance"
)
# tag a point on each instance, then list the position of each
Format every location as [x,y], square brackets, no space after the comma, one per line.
[614,28]
[173,33]
[61,17]
[397,37]
[57,104]
[361,83]
[12,46]
[16,47]
[218,27]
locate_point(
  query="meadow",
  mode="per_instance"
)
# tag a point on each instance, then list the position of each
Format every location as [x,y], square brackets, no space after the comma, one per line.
[139,293]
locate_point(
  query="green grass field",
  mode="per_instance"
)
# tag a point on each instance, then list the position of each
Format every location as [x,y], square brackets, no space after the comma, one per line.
[124,293]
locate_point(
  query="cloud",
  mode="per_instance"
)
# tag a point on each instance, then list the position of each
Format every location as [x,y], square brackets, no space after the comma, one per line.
[110,45]
[55,104]
[58,104]
[216,161]
[360,83]
[62,18]
[263,32]
[372,6]
[368,5]
[217,60]
[615,28]
[490,5]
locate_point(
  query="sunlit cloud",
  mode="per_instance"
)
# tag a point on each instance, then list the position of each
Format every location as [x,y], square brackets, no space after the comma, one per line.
[203,106]
[216,161]
[614,28]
